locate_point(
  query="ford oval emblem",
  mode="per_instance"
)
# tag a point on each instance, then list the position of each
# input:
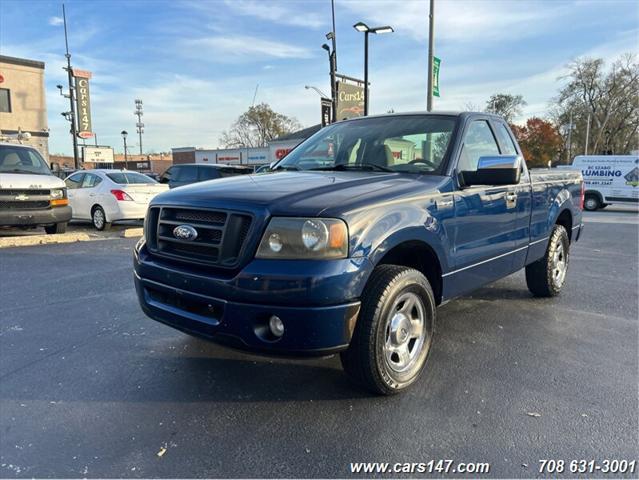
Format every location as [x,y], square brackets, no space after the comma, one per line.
[185,232]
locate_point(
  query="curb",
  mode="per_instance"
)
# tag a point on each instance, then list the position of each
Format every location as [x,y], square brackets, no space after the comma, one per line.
[132,232]
[31,240]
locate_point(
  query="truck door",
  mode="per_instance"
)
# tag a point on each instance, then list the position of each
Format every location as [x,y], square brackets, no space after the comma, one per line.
[485,219]
[520,197]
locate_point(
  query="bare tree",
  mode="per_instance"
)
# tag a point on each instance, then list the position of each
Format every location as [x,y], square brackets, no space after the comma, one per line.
[507,105]
[603,104]
[257,126]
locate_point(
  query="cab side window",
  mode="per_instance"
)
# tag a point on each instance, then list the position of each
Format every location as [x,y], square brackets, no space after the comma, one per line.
[74,181]
[479,141]
[505,140]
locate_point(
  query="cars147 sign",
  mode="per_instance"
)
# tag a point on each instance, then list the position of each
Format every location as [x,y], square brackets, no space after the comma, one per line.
[83,103]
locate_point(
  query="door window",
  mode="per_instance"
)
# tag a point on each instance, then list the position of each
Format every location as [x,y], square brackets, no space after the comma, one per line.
[90,180]
[186,173]
[505,140]
[208,173]
[74,181]
[479,141]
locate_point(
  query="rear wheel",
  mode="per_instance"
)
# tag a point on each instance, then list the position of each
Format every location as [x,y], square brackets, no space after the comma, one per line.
[547,276]
[591,203]
[99,218]
[394,331]
[56,228]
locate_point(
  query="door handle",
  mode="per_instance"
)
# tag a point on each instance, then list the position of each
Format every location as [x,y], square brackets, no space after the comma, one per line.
[511,199]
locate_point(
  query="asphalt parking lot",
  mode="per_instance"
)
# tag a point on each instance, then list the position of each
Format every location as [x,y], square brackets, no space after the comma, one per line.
[89,387]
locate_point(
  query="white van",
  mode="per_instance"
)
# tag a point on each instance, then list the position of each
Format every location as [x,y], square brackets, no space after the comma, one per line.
[30,195]
[609,179]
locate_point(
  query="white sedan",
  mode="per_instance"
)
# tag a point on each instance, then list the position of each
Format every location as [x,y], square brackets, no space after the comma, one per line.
[106,196]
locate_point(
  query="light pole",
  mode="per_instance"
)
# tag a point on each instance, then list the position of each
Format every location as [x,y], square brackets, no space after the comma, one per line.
[70,115]
[124,133]
[362,27]
[332,58]
[431,46]
[319,92]
[139,125]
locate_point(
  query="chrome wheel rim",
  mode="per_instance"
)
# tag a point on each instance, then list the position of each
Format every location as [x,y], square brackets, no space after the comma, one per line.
[98,218]
[559,264]
[405,332]
[591,204]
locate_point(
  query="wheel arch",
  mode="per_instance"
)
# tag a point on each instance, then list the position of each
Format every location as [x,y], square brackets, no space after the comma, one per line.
[565,220]
[418,254]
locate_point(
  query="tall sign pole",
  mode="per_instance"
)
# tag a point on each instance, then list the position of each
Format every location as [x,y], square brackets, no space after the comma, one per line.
[71,93]
[431,53]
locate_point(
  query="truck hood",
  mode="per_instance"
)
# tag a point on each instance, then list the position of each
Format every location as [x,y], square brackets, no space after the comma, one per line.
[29,181]
[299,193]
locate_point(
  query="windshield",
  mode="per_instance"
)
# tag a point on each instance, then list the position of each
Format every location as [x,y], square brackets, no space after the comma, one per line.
[124,178]
[22,160]
[406,144]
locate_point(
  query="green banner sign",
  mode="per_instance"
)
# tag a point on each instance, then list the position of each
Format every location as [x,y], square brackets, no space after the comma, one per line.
[436,63]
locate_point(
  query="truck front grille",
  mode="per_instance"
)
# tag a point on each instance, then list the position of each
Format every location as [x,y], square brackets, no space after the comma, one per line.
[17,199]
[220,240]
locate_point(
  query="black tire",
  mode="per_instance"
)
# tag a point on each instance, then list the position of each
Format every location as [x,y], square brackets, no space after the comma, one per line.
[367,360]
[592,203]
[542,277]
[56,228]
[98,217]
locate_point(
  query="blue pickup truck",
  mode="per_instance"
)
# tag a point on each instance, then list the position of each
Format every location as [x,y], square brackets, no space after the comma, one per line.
[355,238]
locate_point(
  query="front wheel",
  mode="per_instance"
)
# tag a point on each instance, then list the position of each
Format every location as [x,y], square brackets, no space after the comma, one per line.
[394,331]
[55,228]
[547,276]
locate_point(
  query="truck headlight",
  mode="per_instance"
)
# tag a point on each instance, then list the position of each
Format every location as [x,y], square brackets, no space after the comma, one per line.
[300,238]
[57,193]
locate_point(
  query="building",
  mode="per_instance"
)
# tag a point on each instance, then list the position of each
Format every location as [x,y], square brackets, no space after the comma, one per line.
[154,162]
[227,156]
[279,147]
[254,156]
[23,105]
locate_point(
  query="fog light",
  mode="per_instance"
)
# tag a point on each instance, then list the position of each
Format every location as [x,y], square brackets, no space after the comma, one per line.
[276,326]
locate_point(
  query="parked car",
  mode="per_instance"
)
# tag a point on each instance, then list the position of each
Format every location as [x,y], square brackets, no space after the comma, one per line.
[609,179]
[30,195]
[153,175]
[187,173]
[107,196]
[351,249]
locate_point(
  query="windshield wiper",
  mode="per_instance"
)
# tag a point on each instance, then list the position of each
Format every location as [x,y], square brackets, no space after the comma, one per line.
[286,168]
[360,166]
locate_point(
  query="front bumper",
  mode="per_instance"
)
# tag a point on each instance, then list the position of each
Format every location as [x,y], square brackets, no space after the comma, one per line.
[316,300]
[35,218]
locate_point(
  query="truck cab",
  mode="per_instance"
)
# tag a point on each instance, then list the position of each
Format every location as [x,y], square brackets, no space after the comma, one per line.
[30,195]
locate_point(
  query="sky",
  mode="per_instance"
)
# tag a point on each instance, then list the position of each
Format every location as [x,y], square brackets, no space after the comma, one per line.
[196,63]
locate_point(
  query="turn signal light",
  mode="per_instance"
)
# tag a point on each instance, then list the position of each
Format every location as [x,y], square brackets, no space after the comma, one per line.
[60,202]
[121,195]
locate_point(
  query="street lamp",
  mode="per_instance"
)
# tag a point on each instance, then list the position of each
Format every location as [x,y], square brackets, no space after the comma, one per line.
[365,29]
[124,133]
[319,92]
[332,60]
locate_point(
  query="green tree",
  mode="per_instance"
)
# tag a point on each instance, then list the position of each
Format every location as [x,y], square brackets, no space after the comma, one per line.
[507,105]
[257,126]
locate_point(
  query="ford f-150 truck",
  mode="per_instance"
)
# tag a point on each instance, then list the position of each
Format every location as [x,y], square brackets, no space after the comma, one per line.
[30,195]
[356,237]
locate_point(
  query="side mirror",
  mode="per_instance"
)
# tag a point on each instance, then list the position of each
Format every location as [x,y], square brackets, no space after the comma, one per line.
[494,170]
